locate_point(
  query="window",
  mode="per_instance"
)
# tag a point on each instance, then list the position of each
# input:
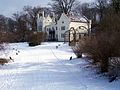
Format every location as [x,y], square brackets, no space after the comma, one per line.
[40,15]
[62,21]
[56,28]
[56,36]
[63,28]
[62,35]
[40,28]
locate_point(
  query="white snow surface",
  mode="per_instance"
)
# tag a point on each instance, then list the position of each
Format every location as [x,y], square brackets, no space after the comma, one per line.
[44,67]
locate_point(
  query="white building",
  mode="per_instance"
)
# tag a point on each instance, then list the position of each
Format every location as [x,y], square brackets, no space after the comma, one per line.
[56,29]
[43,21]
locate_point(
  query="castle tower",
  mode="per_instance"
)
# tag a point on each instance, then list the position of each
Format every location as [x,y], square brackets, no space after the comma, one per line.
[40,21]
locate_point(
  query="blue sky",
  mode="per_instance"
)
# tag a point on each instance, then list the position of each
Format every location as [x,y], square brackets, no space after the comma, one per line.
[8,7]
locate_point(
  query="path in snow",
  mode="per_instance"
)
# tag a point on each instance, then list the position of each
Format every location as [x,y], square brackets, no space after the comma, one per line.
[47,68]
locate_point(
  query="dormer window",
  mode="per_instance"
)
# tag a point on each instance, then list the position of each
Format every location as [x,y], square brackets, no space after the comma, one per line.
[62,21]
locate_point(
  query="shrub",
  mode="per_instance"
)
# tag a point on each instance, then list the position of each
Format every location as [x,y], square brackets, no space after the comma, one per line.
[36,38]
[77,51]
[3,61]
[32,44]
[101,48]
[114,68]
[104,45]
[8,37]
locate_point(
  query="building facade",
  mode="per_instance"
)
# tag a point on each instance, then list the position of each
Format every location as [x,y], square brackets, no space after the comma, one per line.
[56,29]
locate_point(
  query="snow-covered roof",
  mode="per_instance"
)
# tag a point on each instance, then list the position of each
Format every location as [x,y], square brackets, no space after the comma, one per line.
[77,18]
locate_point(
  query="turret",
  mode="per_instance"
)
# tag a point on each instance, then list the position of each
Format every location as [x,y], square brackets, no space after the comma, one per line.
[40,19]
[40,14]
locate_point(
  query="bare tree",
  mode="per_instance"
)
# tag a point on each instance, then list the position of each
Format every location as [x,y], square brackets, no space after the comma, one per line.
[32,16]
[2,23]
[10,25]
[116,5]
[101,7]
[20,26]
[86,9]
[62,6]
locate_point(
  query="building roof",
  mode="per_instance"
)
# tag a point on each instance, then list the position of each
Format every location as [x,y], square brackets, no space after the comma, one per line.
[77,18]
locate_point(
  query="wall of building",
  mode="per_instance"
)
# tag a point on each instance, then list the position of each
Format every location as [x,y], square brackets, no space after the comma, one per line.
[43,21]
[46,21]
[52,27]
[61,26]
[62,22]
[81,29]
[76,25]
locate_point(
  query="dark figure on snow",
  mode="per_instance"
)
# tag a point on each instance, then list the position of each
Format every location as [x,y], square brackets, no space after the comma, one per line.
[16,53]
[113,78]
[70,58]
[56,47]
[11,59]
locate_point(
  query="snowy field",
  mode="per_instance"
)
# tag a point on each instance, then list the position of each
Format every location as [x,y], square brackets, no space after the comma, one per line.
[46,68]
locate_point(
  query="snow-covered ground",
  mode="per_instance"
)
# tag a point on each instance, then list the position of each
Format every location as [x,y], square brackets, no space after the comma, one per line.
[46,68]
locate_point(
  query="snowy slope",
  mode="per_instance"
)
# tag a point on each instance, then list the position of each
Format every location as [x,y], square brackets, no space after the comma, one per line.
[46,68]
